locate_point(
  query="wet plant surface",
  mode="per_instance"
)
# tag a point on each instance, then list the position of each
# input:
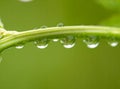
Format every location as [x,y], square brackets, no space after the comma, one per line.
[60,61]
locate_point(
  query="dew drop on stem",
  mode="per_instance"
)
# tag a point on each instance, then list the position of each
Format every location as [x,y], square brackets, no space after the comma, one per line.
[55,40]
[68,41]
[113,42]
[20,46]
[42,44]
[93,45]
[91,41]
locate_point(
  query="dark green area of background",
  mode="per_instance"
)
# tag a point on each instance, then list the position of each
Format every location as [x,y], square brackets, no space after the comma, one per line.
[56,67]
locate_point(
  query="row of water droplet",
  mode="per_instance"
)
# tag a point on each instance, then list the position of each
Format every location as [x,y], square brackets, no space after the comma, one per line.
[69,42]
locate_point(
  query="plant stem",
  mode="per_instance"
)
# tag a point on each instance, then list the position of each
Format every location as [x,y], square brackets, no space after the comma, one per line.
[12,38]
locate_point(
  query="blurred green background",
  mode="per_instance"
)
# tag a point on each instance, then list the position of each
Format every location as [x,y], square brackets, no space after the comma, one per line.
[56,67]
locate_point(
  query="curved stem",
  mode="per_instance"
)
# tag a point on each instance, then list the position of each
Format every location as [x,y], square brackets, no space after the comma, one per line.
[12,38]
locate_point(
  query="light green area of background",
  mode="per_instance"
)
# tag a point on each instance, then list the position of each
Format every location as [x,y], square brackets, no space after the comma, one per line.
[56,67]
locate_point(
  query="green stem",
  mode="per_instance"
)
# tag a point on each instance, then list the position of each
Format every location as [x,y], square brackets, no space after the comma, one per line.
[12,38]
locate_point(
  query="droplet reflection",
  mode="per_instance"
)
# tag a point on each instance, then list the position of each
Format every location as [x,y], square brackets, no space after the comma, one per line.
[91,41]
[68,41]
[19,46]
[42,44]
[113,42]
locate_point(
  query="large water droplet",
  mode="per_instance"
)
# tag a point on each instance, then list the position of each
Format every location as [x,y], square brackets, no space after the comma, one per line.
[19,46]
[93,45]
[25,1]
[91,41]
[113,42]
[55,40]
[43,43]
[60,25]
[68,41]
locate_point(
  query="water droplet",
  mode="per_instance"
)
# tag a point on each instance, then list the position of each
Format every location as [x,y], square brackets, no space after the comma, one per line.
[25,1]
[1,24]
[44,26]
[55,40]
[94,45]
[91,41]
[113,42]
[68,42]
[60,25]
[19,46]
[43,43]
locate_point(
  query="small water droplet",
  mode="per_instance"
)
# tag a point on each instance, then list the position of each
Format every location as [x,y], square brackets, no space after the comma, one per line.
[91,41]
[42,44]
[19,46]
[55,40]
[60,25]
[68,41]
[25,1]
[44,26]
[113,42]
